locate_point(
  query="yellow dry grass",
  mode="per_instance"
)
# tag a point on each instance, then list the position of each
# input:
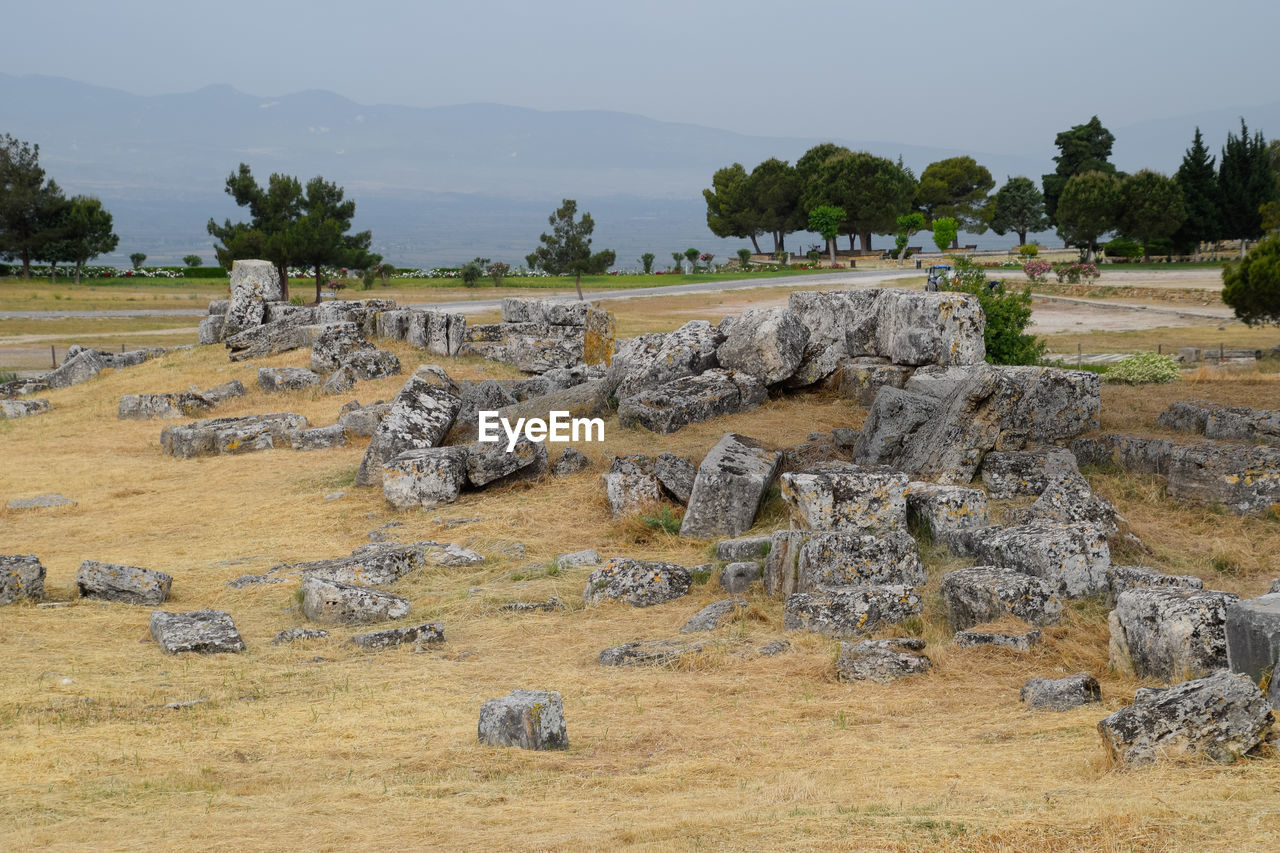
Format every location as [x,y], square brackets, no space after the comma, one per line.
[320,745]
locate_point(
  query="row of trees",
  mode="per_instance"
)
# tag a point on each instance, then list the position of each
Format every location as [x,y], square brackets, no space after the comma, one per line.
[39,223]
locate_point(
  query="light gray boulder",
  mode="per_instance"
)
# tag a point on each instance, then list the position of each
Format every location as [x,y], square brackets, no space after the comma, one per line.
[767,343]
[213,436]
[630,491]
[916,327]
[420,416]
[362,420]
[1220,717]
[640,583]
[571,462]
[1068,498]
[428,633]
[1244,479]
[986,593]
[946,512]
[850,612]
[21,576]
[1017,642]
[1170,634]
[743,548]
[372,364]
[141,407]
[491,462]
[205,632]
[425,478]
[437,332]
[336,344]
[656,359]
[291,635]
[529,719]
[127,584]
[1253,639]
[860,379]
[276,379]
[209,330]
[585,557]
[729,488]
[253,284]
[271,338]
[881,661]
[691,399]
[1014,473]
[893,420]
[219,394]
[1123,578]
[334,603]
[14,409]
[1061,694]
[76,369]
[1072,558]
[844,496]
[829,315]
[676,475]
[320,438]
[736,578]
[375,564]
[713,615]
[1136,454]
[650,653]
[820,561]
[340,381]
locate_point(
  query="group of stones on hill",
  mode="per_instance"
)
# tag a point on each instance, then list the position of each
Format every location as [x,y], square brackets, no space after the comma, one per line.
[938,417]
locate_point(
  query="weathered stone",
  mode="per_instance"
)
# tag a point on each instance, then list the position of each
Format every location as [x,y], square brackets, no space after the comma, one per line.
[986,593]
[276,379]
[1123,578]
[420,416]
[1011,474]
[1186,415]
[245,581]
[209,331]
[744,548]
[586,557]
[630,492]
[571,462]
[141,407]
[425,478]
[270,338]
[253,284]
[1253,638]
[640,583]
[1244,479]
[79,368]
[676,475]
[247,438]
[530,346]
[334,603]
[14,409]
[737,578]
[1219,717]
[729,488]
[320,438]
[128,584]
[818,448]
[832,317]
[437,332]
[21,576]
[1069,499]
[428,633]
[529,719]
[340,381]
[377,563]
[203,631]
[476,397]
[767,343]
[1061,694]
[710,617]
[1072,558]
[773,648]
[372,364]
[691,399]
[1170,634]
[656,359]
[1132,453]
[915,327]
[290,635]
[814,561]
[849,612]
[490,461]
[230,435]
[844,496]
[650,653]
[451,555]
[521,309]
[860,379]
[335,346]
[219,394]
[892,422]
[49,501]
[946,511]
[362,420]
[550,605]
[881,661]
[1018,642]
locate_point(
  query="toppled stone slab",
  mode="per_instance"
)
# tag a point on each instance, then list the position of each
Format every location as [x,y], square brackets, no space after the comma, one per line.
[860,379]
[219,394]
[1061,694]
[549,606]
[529,719]
[336,344]
[729,488]
[21,576]
[1244,479]
[710,617]
[651,360]
[986,593]
[75,370]
[141,407]
[571,462]
[649,653]
[425,478]
[850,612]
[491,462]
[377,563]
[640,583]
[1220,717]
[14,409]
[340,381]
[362,420]
[1170,634]
[1223,422]
[921,328]
[829,315]
[1123,578]
[832,560]
[1073,558]
[1069,499]
[420,416]
[737,577]
[881,661]
[245,581]
[1253,639]
[691,399]
[49,501]
[216,436]
[128,584]
[585,557]
[203,631]
[320,438]
[946,511]
[743,548]
[676,475]
[271,338]
[333,603]
[253,284]
[291,635]
[844,496]
[1017,642]
[1132,453]
[767,343]
[427,633]
[1013,473]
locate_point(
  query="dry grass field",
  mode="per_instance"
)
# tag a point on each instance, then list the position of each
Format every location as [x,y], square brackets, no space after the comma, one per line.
[321,745]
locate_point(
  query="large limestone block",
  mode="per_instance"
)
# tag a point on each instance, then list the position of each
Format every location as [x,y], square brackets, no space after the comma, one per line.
[425,478]
[141,407]
[656,359]
[21,576]
[490,461]
[692,399]
[1061,694]
[1245,480]
[860,379]
[529,719]
[271,338]
[766,343]
[946,512]
[844,496]
[831,317]
[915,327]
[850,612]
[420,416]
[253,284]
[729,488]
[833,560]
[205,632]
[213,436]
[640,583]
[1170,634]
[1013,473]
[1253,639]
[1124,578]
[128,584]
[1073,558]
[985,593]
[335,603]
[881,661]
[274,380]
[428,633]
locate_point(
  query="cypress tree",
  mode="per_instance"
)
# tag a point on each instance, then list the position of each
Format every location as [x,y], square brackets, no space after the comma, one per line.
[1247,181]
[1198,179]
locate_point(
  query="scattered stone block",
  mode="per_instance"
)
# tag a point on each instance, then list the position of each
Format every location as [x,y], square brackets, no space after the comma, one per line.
[49,501]
[649,653]
[729,488]
[1018,642]
[1123,578]
[676,475]
[850,612]
[1244,479]
[1061,694]
[490,461]
[1220,717]
[276,379]
[651,360]
[1014,473]
[860,379]
[290,635]
[1073,558]
[271,338]
[881,661]
[320,438]
[1253,638]
[986,593]
[691,399]
[571,462]
[1170,634]
[767,343]
[362,420]
[14,409]
[420,416]
[640,583]
[425,478]
[427,633]
[831,560]
[377,563]
[253,284]
[340,381]
[737,578]
[710,617]
[577,559]
[21,576]
[128,584]
[744,548]
[141,407]
[1132,453]
[550,605]
[245,581]
[844,496]
[918,328]
[334,603]
[203,631]
[946,511]
[213,436]
[529,719]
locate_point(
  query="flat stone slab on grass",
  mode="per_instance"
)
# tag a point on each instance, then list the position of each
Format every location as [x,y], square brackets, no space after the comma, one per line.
[585,557]
[850,612]
[640,583]
[420,416]
[374,564]
[710,617]
[290,635]
[425,478]
[1061,694]
[1018,642]
[1220,717]
[49,501]
[691,399]
[333,603]
[881,661]
[13,409]
[729,488]
[650,653]
[427,633]
[128,584]
[1123,578]
[203,631]
[21,576]
[986,593]
[844,496]
[529,719]
[320,438]
[1072,558]
[1170,634]
[274,380]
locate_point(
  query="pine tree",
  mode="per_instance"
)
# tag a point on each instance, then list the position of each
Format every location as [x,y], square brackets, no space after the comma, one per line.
[1247,180]
[1198,179]
[1084,148]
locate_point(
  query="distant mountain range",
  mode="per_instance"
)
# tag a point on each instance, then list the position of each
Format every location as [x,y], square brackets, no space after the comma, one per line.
[440,185]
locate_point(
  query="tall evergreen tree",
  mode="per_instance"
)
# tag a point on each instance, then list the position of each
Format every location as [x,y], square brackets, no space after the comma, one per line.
[1151,208]
[31,209]
[1084,148]
[956,188]
[775,195]
[873,191]
[1247,181]
[730,212]
[1018,206]
[1198,179]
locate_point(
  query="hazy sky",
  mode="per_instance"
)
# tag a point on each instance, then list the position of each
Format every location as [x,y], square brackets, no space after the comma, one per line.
[983,75]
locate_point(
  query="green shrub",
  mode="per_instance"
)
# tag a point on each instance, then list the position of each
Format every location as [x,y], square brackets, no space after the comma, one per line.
[646,261]
[1145,368]
[1029,250]
[1123,247]
[665,521]
[7,376]
[744,258]
[204,272]
[470,273]
[814,256]
[1008,314]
